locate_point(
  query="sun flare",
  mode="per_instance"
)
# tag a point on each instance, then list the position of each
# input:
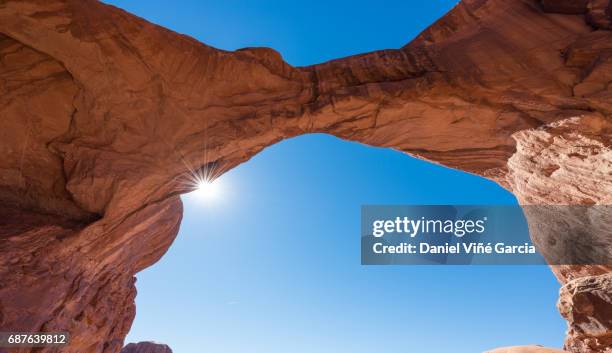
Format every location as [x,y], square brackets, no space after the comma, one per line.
[207,189]
[202,183]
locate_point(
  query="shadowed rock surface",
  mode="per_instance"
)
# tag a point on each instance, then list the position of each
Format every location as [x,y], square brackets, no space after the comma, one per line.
[146,347]
[104,114]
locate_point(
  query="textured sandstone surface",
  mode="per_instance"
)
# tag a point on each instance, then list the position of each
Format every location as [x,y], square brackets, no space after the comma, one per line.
[585,303]
[146,347]
[104,115]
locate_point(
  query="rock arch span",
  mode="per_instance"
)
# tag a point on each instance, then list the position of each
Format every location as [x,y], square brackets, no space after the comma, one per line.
[101,109]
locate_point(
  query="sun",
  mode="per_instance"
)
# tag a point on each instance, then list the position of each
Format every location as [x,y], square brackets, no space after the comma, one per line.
[207,189]
[202,184]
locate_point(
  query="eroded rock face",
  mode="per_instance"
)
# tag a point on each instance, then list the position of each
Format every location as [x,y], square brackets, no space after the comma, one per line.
[568,162]
[585,303]
[62,275]
[103,115]
[146,347]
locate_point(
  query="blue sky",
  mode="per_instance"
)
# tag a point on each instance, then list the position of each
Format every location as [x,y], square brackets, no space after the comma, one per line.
[272,264]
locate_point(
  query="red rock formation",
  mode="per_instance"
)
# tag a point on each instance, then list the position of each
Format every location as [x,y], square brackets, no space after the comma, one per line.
[103,114]
[585,303]
[146,347]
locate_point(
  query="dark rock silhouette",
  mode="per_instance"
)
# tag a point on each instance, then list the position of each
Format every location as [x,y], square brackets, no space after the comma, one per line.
[146,347]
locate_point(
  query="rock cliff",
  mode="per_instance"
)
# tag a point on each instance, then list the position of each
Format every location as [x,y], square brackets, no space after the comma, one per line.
[104,116]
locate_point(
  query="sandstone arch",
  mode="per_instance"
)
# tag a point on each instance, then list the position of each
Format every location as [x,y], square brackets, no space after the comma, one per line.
[99,108]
